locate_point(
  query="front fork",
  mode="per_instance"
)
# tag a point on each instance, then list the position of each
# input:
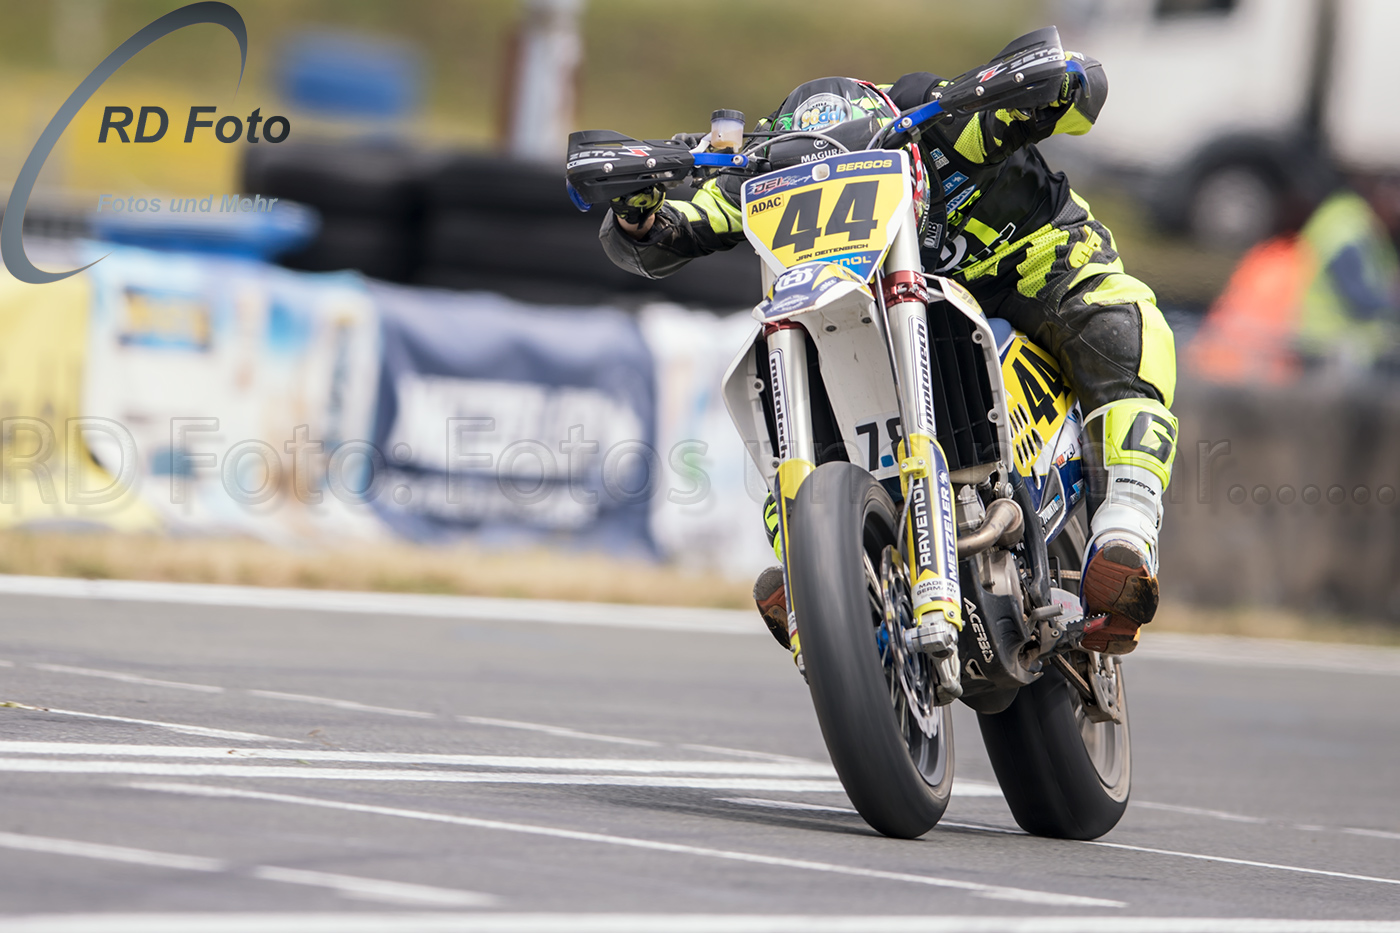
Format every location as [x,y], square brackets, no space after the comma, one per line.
[797,446]
[928,518]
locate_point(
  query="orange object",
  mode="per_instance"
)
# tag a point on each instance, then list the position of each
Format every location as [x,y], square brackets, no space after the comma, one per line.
[1248,335]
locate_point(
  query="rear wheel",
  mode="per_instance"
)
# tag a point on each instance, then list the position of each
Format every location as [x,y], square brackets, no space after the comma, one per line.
[891,746]
[1063,774]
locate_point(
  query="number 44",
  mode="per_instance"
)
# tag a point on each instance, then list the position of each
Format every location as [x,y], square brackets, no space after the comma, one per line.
[853,215]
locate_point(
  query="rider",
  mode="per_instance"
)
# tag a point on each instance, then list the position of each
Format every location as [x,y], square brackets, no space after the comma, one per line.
[1031,252]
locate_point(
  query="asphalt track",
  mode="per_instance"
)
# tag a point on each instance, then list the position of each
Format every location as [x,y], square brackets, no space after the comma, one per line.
[210,758]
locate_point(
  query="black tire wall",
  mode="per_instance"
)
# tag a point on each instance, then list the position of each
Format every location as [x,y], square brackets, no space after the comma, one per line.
[471,221]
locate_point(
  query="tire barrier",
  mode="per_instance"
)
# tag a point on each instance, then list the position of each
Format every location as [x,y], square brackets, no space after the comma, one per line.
[472,221]
[371,201]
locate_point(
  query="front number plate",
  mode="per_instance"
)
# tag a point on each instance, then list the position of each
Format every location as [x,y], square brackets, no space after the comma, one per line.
[844,208]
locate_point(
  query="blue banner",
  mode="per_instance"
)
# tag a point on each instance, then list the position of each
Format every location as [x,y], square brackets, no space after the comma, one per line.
[510,420]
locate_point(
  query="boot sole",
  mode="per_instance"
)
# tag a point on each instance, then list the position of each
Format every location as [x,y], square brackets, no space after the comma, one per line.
[1118,583]
[772,606]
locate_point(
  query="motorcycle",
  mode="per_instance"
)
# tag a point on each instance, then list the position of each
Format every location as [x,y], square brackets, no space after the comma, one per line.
[928,463]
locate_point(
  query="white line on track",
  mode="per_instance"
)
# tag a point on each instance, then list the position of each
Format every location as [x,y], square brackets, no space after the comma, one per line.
[106,853]
[373,889]
[1373,833]
[1277,653]
[357,706]
[976,889]
[418,922]
[557,731]
[126,678]
[741,753]
[519,762]
[1272,866]
[786,805]
[790,805]
[341,704]
[4,663]
[201,731]
[530,612]
[1198,811]
[393,892]
[282,772]
[1173,646]
[1261,821]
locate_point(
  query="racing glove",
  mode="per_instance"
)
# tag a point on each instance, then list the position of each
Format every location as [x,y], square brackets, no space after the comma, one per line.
[634,208]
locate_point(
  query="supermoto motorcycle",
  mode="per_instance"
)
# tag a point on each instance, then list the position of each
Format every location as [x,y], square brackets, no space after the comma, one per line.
[928,464]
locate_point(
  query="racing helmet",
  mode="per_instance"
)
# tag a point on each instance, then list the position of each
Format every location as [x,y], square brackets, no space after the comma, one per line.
[848,110]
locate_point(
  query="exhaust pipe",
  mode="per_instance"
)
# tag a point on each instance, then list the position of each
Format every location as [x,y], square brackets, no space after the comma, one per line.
[1002,525]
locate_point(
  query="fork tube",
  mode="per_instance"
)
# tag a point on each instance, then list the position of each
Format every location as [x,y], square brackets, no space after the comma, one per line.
[797,448]
[931,532]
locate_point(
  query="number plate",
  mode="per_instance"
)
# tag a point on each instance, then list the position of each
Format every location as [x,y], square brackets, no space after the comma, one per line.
[1037,399]
[844,208]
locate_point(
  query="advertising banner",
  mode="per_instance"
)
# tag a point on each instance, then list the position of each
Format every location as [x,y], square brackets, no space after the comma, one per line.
[226,389]
[47,478]
[514,421]
[711,516]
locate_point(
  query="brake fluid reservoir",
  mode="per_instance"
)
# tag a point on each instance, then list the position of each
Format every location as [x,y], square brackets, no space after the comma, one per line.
[726,130]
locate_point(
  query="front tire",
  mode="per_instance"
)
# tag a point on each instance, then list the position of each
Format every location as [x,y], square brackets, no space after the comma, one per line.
[893,754]
[1063,775]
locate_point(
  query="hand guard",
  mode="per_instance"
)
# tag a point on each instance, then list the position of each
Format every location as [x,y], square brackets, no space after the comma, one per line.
[635,207]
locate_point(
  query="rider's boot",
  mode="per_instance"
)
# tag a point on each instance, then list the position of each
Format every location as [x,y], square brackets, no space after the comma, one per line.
[770,594]
[770,589]
[1131,444]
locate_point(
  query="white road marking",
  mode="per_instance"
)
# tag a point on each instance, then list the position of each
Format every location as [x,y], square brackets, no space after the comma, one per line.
[1174,646]
[201,731]
[1197,811]
[282,772]
[418,922]
[93,850]
[980,827]
[559,731]
[1261,821]
[341,704]
[976,889]
[356,706]
[126,678]
[373,889]
[1373,833]
[520,762]
[1275,653]
[741,753]
[1246,862]
[530,612]
[786,805]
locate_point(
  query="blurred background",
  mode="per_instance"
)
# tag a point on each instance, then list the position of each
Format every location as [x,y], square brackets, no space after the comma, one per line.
[425,305]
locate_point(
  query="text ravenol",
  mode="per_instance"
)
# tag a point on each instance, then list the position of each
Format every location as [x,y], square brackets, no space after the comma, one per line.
[228,203]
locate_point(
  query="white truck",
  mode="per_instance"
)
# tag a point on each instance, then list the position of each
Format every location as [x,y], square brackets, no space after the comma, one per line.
[1219,109]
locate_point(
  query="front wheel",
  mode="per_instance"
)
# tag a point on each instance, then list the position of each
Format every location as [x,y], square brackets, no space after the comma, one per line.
[891,746]
[1063,774]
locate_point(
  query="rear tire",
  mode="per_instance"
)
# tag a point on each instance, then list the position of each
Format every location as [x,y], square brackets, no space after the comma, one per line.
[1063,776]
[898,776]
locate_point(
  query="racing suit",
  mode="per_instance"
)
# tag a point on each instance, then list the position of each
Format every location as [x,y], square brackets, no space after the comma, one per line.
[1030,251]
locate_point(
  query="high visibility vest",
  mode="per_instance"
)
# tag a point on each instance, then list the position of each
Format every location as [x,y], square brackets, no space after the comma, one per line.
[1327,324]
